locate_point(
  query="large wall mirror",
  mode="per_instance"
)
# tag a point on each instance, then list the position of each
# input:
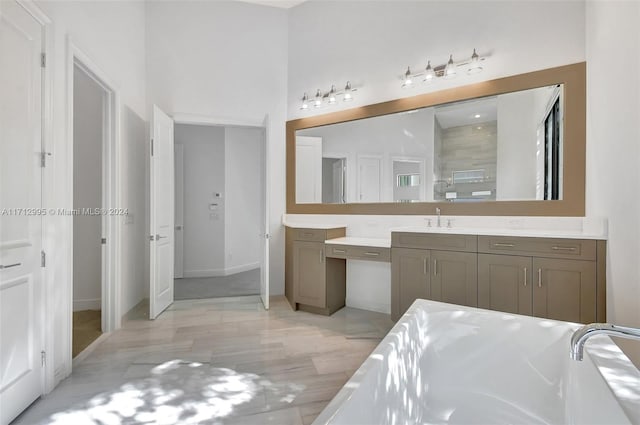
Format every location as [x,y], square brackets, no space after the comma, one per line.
[513,146]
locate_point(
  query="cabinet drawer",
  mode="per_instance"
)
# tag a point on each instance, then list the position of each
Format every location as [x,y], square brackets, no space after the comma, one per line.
[352,252]
[443,242]
[312,235]
[579,249]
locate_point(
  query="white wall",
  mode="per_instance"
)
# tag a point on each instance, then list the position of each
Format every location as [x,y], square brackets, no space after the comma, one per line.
[204,175]
[244,211]
[87,191]
[517,145]
[371,43]
[226,60]
[613,150]
[121,55]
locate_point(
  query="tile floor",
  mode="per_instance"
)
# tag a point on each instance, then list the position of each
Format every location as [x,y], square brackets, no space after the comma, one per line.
[216,361]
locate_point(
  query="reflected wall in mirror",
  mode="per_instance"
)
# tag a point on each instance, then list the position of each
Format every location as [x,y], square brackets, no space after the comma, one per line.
[503,147]
[513,146]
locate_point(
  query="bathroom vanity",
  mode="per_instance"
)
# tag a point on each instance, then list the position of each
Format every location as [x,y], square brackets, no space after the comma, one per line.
[552,277]
[558,276]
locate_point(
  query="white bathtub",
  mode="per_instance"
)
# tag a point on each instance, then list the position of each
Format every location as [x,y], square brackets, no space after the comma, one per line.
[444,363]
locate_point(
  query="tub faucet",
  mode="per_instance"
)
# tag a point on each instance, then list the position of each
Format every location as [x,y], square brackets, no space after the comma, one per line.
[438,214]
[581,336]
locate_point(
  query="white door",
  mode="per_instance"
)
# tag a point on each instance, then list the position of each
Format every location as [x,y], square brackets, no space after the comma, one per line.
[308,170]
[162,213]
[264,270]
[369,179]
[179,230]
[338,181]
[20,230]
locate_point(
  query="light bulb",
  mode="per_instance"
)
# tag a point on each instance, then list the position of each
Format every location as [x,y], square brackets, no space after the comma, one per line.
[332,95]
[305,100]
[429,74]
[450,69]
[474,64]
[348,95]
[318,100]
[408,82]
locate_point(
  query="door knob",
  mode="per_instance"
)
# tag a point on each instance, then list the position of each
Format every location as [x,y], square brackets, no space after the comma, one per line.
[158,237]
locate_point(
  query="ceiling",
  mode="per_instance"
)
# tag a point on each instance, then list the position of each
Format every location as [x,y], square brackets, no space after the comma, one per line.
[284,4]
[464,113]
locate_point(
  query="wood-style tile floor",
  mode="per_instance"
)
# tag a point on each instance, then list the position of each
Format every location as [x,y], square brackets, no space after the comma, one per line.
[216,361]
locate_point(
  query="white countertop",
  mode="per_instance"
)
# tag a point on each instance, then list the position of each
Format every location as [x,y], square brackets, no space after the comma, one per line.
[372,242]
[531,233]
[314,226]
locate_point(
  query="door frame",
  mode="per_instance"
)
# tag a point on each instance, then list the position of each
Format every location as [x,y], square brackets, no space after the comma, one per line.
[49,290]
[264,124]
[112,224]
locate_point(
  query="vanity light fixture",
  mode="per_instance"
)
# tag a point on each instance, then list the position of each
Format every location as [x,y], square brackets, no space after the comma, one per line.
[332,95]
[474,64]
[429,73]
[329,97]
[408,82]
[318,100]
[450,68]
[348,95]
[447,70]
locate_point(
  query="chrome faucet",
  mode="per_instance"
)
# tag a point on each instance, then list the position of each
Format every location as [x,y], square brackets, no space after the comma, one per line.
[438,214]
[581,336]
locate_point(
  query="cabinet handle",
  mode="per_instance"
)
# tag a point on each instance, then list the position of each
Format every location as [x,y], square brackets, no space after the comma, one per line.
[525,277]
[505,245]
[321,257]
[372,254]
[563,248]
[307,234]
[425,266]
[435,267]
[539,278]
[339,251]
[2,266]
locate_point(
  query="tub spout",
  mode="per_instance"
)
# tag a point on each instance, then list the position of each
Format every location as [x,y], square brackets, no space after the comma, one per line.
[580,336]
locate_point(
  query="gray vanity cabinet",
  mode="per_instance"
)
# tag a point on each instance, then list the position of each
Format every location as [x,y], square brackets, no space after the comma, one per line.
[309,274]
[565,289]
[313,281]
[454,277]
[434,267]
[555,278]
[411,278]
[505,283]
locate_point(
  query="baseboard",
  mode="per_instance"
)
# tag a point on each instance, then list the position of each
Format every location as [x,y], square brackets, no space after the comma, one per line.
[90,349]
[221,272]
[241,268]
[379,308]
[139,310]
[90,304]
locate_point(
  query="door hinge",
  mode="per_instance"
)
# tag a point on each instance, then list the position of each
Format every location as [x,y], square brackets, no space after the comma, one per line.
[43,358]
[43,259]
[43,60]
[151,147]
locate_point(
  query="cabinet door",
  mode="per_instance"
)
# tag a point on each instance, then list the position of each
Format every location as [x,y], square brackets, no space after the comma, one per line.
[409,278]
[309,274]
[565,290]
[454,277]
[504,283]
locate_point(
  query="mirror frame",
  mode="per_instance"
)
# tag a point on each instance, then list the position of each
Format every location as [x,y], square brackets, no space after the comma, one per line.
[574,150]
